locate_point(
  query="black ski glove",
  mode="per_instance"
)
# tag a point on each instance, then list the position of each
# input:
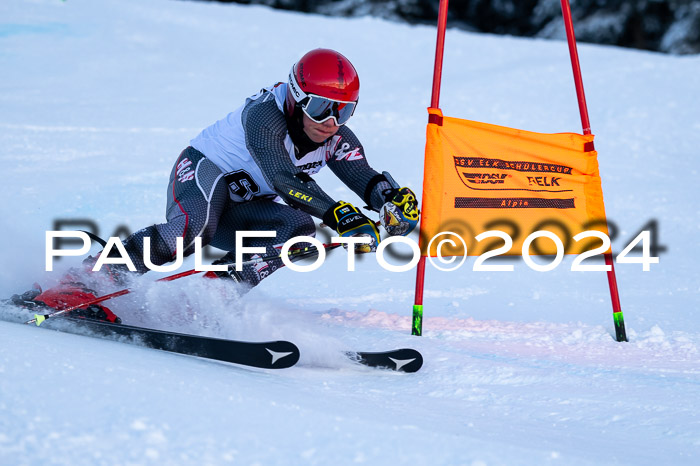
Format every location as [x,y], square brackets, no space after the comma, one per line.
[344,218]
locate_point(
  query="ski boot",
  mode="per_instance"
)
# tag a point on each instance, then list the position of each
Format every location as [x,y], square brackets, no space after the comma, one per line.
[63,296]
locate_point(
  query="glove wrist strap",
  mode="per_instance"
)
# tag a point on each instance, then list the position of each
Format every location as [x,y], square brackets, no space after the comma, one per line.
[329,216]
[373,182]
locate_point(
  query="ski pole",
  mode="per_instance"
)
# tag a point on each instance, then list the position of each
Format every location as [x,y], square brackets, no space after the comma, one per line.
[294,254]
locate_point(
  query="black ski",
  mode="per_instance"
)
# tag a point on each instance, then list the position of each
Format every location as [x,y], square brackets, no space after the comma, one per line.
[267,355]
[403,360]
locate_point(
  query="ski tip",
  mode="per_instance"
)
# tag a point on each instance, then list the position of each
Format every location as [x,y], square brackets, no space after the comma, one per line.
[400,360]
[284,354]
[409,360]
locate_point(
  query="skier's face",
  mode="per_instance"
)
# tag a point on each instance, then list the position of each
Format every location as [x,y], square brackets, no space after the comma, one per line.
[319,132]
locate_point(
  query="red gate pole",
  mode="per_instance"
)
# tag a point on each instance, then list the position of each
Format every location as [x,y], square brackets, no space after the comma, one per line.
[417,323]
[618,318]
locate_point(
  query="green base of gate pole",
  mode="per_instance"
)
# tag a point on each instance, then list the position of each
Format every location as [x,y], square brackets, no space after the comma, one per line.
[417,327]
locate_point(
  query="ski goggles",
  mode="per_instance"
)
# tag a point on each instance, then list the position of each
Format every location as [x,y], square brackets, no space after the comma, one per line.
[320,109]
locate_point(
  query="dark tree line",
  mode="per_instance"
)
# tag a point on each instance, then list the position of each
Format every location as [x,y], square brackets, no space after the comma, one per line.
[671,26]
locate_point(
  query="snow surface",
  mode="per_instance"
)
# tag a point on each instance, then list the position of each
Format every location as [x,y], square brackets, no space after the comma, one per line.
[98,98]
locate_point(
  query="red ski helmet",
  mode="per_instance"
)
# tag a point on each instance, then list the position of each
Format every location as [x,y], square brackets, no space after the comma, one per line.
[324,84]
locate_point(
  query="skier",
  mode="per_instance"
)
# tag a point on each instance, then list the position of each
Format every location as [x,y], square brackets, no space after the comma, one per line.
[234,173]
